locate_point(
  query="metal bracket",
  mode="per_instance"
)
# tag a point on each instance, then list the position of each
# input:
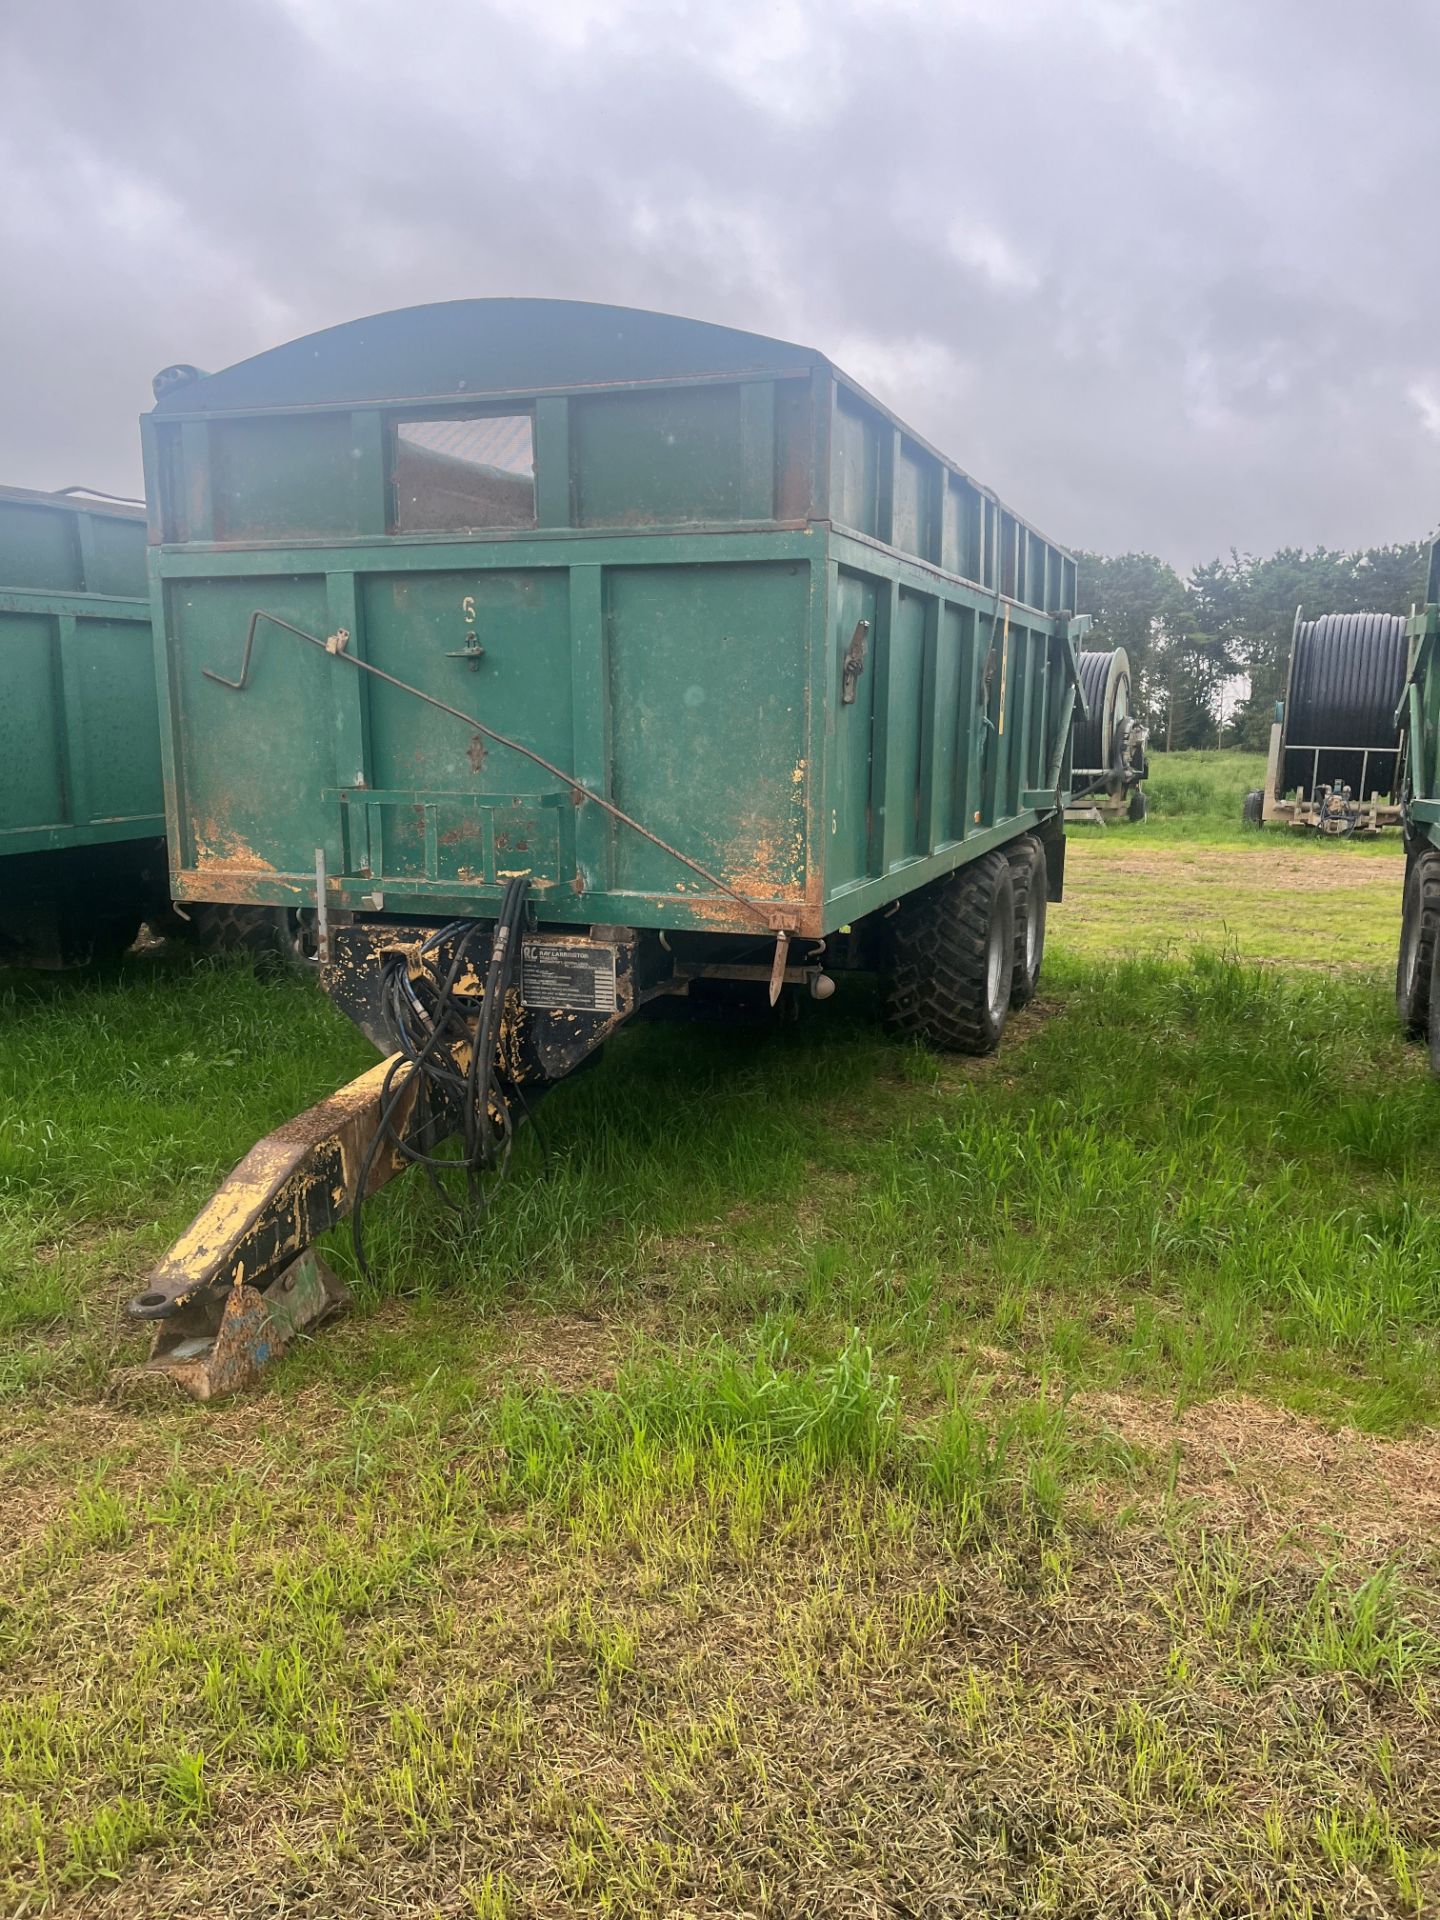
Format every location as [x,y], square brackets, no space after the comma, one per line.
[472,651]
[854,664]
[777,970]
[212,1349]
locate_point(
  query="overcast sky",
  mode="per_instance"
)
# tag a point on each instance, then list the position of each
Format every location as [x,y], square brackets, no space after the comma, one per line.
[1163,272]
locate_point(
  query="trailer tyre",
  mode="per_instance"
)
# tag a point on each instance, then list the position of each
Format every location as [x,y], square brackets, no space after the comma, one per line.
[1432,1022]
[952,959]
[271,936]
[1139,807]
[1252,813]
[1419,923]
[1029,880]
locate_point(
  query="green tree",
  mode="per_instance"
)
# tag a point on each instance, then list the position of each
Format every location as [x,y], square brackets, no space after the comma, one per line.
[1251,603]
[1137,602]
[1186,639]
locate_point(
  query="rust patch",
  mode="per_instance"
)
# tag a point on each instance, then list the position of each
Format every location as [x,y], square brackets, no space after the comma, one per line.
[765,858]
[217,846]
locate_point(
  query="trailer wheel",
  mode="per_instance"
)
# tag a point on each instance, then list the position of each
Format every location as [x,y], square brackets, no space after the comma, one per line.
[1252,813]
[952,959]
[1432,1020]
[111,935]
[1030,881]
[1139,808]
[271,936]
[1419,922]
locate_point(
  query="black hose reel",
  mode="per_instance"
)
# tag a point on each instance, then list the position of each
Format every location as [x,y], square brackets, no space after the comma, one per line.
[1109,748]
[1347,677]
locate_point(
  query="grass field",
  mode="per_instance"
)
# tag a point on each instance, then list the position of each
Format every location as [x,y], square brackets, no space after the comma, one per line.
[829,1480]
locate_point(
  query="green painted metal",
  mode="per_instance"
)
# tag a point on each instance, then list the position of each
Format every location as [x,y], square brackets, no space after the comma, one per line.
[640,548]
[79,730]
[1419,718]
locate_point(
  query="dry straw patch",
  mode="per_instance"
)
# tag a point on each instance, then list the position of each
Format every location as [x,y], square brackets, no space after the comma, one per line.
[1246,1462]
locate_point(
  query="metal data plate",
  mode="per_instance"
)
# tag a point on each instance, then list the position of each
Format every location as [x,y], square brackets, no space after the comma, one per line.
[565,973]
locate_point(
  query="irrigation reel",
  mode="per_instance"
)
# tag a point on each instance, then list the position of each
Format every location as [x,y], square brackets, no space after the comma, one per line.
[1110,757]
[1337,755]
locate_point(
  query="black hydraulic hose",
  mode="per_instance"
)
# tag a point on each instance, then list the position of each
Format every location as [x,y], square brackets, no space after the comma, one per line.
[429,1020]
[395,1088]
[479,1137]
[1088,751]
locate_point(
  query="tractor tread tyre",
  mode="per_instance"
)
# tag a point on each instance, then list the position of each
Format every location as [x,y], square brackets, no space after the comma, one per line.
[940,942]
[1029,878]
[1419,924]
[1252,812]
[269,935]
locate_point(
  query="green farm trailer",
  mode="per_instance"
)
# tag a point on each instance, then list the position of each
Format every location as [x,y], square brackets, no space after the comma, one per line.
[1417,970]
[82,850]
[572,664]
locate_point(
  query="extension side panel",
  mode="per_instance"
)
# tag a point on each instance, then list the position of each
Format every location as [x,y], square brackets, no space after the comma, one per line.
[249,771]
[955,736]
[79,732]
[708,725]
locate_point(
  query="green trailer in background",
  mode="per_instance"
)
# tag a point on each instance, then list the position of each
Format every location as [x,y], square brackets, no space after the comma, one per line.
[82,849]
[574,664]
[1417,971]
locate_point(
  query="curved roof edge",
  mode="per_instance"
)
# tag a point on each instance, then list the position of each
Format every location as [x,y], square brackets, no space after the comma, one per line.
[75,500]
[456,347]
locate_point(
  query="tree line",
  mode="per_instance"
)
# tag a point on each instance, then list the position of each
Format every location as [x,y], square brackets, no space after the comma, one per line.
[1188,639]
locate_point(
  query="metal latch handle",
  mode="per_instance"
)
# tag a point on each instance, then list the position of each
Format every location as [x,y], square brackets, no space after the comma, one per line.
[854,663]
[471,651]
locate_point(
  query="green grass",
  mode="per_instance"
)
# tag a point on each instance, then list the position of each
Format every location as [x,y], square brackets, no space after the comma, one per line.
[1196,796]
[1198,792]
[826,1479]
[1157,1140]
[1313,907]
[124,1097]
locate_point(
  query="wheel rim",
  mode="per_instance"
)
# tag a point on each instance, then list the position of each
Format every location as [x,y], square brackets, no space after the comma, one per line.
[998,964]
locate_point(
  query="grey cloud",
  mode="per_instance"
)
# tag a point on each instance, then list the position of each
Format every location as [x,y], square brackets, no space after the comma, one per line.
[1156,269]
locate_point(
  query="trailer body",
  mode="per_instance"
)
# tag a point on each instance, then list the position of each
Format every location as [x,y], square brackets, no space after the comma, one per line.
[81,795]
[1419,721]
[1417,967]
[697,571]
[570,664]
